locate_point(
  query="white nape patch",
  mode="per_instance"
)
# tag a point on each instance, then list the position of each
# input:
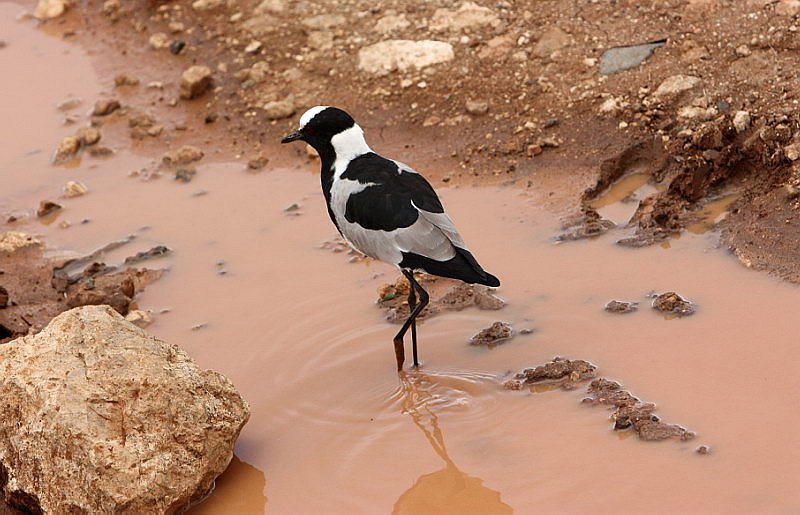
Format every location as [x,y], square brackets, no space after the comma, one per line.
[309,115]
[348,144]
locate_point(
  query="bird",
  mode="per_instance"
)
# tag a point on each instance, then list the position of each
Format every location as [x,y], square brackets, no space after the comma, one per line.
[386,210]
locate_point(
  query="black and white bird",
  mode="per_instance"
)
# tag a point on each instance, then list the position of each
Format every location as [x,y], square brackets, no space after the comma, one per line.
[386,210]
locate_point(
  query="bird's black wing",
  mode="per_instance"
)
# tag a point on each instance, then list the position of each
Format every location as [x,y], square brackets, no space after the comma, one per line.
[394,195]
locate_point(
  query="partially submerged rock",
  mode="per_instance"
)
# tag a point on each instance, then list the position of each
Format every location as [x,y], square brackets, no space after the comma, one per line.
[182,156]
[445,295]
[621,306]
[672,303]
[628,412]
[74,189]
[494,335]
[99,417]
[67,149]
[588,224]
[105,106]
[563,372]
[49,9]
[47,207]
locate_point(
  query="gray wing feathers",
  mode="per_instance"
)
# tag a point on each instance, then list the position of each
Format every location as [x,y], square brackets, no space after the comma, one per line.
[426,239]
[446,225]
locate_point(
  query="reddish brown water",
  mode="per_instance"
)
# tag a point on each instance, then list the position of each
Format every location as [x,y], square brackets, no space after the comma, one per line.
[334,429]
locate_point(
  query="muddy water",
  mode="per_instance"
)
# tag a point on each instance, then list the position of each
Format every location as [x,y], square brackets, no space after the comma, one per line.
[335,429]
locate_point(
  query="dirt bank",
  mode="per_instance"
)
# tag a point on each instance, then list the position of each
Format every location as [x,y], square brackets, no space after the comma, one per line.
[509,94]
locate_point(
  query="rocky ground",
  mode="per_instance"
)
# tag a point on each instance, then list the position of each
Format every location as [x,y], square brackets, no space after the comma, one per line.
[478,92]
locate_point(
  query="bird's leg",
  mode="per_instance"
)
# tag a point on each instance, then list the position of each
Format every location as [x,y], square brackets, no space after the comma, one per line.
[412,303]
[398,339]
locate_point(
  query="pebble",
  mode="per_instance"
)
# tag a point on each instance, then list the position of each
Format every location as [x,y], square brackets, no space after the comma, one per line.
[74,189]
[477,107]
[741,121]
[195,80]
[47,207]
[207,5]
[125,80]
[67,149]
[677,84]
[159,40]
[279,109]
[182,156]
[105,106]
[139,318]
[88,135]
[49,9]
[176,46]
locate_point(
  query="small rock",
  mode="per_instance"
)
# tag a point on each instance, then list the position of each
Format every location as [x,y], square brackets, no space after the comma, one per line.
[399,54]
[139,318]
[182,156]
[159,40]
[69,104]
[100,151]
[792,151]
[279,109]
[533,150]
[105,106]
[253,47]
[621,306]
[47,207]
[176,46]
[270,6]
[672,303]
[67,149]
[552,39]
[185,175]
[13,240]
[292,208]
[391,23]
[431,121]
[741,121]
[617,59]
[697,113]
[477,107]
[125,80]
[195,80]
[88,135]
[609,106]
[49,9]
[743,51]
[677,84]
[703,449]
[324,21]
[74,189]
[468,15]
[258,162]
[320,40]
[497,333]
[207,5]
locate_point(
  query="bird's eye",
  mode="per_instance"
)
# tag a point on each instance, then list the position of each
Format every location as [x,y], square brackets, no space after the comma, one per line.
[308,131]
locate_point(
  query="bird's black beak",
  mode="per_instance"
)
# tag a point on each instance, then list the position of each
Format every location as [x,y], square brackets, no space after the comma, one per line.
[296,135]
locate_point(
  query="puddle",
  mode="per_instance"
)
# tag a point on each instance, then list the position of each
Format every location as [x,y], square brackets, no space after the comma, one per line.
[619,201]
[712,213]
[333,427]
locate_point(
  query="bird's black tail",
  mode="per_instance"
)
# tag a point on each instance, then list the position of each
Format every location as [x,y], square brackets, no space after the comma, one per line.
[462,266]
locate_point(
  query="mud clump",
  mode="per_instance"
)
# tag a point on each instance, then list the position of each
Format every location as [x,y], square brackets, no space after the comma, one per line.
[445,295]
[38,288]
[673,304]
[494,335]
[563,372]
[628,412]
[588,225]
[621,306]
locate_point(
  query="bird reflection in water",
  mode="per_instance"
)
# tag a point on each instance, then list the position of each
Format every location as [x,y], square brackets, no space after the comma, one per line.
[448,490]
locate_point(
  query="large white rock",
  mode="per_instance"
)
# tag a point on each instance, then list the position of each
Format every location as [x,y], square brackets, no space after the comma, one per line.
[402,54]
[98,417]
